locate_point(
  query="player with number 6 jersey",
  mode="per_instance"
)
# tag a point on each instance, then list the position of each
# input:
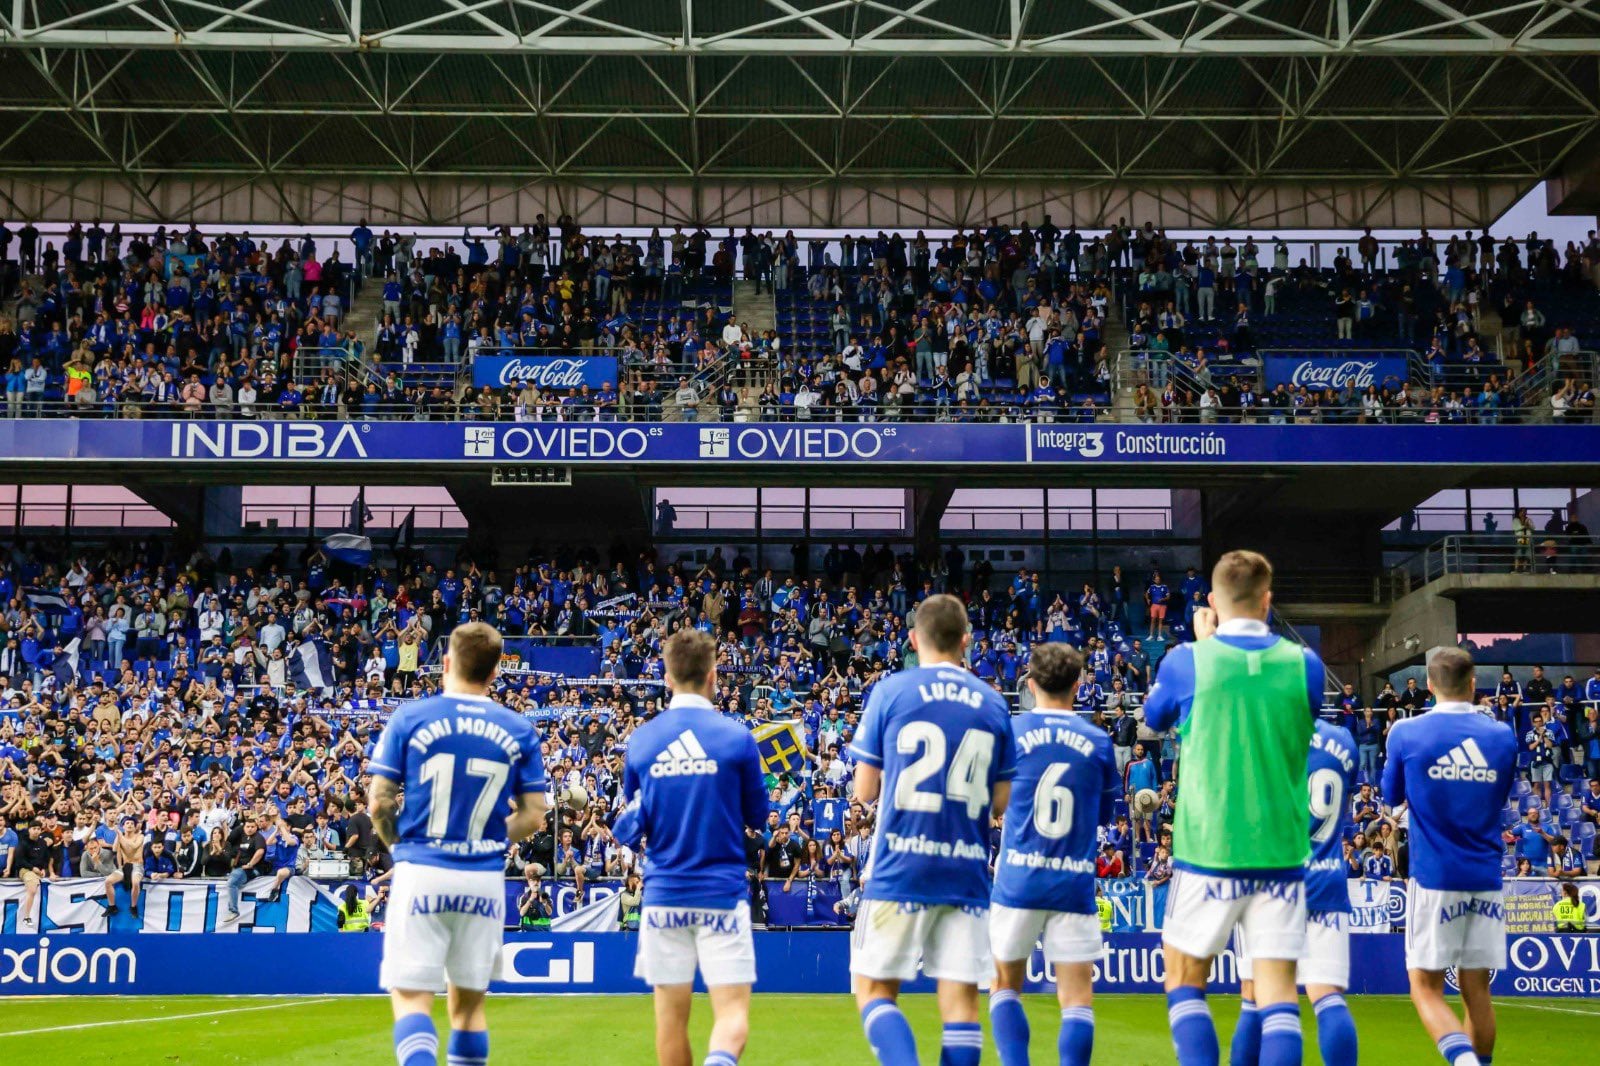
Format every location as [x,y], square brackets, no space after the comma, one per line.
[936,742]
[1044,881]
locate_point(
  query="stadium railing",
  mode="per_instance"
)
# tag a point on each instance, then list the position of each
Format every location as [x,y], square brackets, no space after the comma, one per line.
[1500,553]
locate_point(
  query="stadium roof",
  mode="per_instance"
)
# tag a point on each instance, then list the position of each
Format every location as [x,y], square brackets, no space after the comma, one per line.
[1344,109]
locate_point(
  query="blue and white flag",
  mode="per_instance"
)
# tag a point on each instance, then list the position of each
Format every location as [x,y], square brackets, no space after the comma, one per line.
[47,601]
[599,915]
[66,664]
[360,513]
[311,665]
[351,548]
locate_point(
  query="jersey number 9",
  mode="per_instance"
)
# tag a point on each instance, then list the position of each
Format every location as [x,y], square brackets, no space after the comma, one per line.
[1327,802]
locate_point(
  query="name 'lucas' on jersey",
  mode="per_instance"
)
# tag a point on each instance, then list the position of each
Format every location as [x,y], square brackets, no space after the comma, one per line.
[943,741]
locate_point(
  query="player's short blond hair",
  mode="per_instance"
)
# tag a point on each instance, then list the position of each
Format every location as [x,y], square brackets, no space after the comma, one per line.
[1450,673]
[1241,577]
[690,655]
[475,649]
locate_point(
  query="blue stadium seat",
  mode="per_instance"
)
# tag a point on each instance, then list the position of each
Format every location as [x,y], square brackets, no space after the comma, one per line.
[1529,803]
[1520,788]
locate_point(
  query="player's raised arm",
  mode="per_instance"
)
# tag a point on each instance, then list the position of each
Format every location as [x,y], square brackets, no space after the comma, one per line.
[388,768]
[1172,691]
[1394,770]
[867,747]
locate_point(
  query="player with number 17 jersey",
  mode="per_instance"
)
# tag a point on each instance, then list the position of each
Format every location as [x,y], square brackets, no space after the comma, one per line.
[942,739]
[461,759]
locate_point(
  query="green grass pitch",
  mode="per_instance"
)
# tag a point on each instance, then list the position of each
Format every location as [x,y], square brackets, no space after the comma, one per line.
[786,1030]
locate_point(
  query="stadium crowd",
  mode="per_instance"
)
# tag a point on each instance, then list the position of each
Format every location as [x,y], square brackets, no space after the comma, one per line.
[157,713]
[1002,323]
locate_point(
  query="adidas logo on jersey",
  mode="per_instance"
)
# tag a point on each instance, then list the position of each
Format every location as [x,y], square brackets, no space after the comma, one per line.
[1464,762]
[683,757]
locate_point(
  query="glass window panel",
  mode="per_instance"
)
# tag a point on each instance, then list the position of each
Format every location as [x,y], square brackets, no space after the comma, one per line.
[994,511]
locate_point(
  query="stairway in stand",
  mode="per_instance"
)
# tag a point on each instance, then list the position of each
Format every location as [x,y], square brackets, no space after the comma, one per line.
[1114,332]
[754,308]
[757,311]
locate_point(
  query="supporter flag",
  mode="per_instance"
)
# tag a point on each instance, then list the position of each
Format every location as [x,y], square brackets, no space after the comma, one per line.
[782,746]
[48,602]
[406,531]
[360,514]
[311,665]
[599,915]
[351,548]
[66,664]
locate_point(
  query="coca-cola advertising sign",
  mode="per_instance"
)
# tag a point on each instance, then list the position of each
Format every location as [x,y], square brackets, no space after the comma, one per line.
[1335,370]
[560,372]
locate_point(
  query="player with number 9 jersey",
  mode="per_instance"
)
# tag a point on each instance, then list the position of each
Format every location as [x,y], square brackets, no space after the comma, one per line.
[1324,964]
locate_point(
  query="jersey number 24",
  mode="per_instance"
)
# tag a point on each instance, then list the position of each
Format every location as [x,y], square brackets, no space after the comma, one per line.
[966,781]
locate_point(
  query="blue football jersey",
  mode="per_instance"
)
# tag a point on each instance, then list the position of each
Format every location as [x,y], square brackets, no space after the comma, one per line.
[1454,767]
[693,782]
[1063,792]
[943,741]
[1330,776]
[460,759]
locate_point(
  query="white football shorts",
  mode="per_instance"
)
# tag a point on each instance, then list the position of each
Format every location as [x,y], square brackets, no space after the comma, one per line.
[1466,930]
[892,940]
[1013,931]
[1326,960]
[442,925]
[673,941]
[1203,909]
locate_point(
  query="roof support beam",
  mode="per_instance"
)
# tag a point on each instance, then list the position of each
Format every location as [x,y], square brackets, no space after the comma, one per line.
[68,33]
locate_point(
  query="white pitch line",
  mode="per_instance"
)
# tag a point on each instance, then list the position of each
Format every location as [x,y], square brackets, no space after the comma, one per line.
[1542,1006]
[159,1018]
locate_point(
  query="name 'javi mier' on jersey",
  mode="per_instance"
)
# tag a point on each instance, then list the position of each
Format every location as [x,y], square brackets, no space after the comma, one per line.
[1064,790]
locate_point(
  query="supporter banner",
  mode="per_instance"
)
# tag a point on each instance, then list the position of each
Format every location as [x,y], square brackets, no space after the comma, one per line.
[1376,906]
[877,443]
[570,660]
[810,961]
[74,905]
[1530,904]
[544,372]
[1334,370]
[806,903]
[1130,903]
